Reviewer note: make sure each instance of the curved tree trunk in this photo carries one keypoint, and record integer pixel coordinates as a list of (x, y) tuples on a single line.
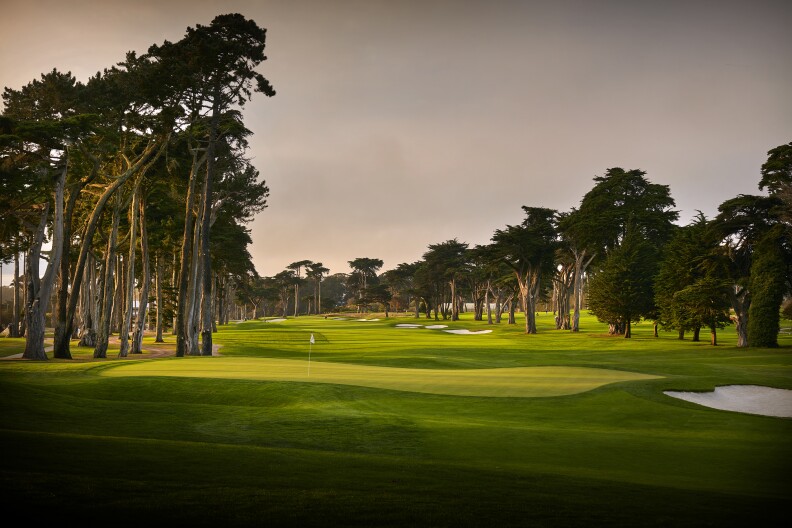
[(180, 325), (108, 293), (158, 278), (129, 285), (40, 290), (14, 332), (580, 268), (146, 159), (741, 302), (140, 323), (206, 258)]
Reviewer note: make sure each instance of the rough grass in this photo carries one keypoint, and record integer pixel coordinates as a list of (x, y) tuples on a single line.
[(250, 452)]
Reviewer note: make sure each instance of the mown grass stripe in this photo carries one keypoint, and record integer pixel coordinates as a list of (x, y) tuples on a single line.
[(521, 382)]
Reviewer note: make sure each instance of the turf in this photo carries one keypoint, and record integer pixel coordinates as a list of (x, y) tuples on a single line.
[(521, 382), (263, 447)]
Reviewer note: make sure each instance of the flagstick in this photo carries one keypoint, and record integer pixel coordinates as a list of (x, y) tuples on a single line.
[(309, 359)]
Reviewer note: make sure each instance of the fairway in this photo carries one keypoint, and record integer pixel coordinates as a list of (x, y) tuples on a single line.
[(519, 382), (398, 427)]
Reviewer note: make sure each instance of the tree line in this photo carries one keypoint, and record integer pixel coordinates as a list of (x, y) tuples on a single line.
[(621, 246), (140, 179)]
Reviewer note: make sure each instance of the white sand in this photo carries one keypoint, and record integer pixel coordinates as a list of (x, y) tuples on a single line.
[(278, 320), (751, 399), (405, 325), (366, 320), (436, 327), (468, 332)]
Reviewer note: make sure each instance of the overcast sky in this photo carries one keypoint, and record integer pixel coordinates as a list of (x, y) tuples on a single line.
[(399, 124)]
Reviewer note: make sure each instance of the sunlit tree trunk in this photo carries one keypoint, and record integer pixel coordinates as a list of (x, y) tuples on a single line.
[(40, 289), (88, 305), (140, 323), (108, 287), (129, 274), (182, 309), (159, 272), (14, 331)]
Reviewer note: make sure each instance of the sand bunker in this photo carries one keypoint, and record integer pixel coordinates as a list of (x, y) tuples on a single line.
[(751, 399), (366, 320), (405, 325), (436, 327), (278, 320), (468, 332)]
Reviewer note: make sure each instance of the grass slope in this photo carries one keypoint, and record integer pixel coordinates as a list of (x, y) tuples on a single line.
[(521, 382), (79, 443)]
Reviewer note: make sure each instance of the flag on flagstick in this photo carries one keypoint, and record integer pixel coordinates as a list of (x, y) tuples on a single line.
[(311, 341)]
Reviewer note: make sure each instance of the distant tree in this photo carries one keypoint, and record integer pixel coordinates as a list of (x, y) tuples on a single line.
[(742, 223), (777, 170), (768, 271), (692, 286), (315, 272), (285, 282), (401, 280), (450, 258), (365, 271), (334, 291), (528, 250), (620, 200), (579, 238), (379, 293), (621, 292), (297, 267)]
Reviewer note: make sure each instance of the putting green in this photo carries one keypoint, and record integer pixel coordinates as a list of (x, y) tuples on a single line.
[(521, 382)]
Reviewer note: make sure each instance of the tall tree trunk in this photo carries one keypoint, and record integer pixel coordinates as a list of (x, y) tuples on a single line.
[(581, 264), (40, 290), (108, 287), (487, 303), (741, 302), (88, 308), (194, 293), (180, 326), (63, 329), (454, 305), (159, 271), (628, 329), (140, 323), (146, 159), (14, 332), (129, 285), (118, 302), (212, 309), (206, 257), (173, 282), (23, 322), (713, 335), (529, 290)]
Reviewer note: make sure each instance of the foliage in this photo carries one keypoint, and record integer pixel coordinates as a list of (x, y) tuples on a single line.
[(621, 292), (767, 287)]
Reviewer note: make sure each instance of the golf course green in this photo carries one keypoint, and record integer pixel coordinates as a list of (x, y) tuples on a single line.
[(397, 426), (522, 382)]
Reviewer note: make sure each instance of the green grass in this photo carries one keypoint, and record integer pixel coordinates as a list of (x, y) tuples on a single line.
[(399, 427)]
